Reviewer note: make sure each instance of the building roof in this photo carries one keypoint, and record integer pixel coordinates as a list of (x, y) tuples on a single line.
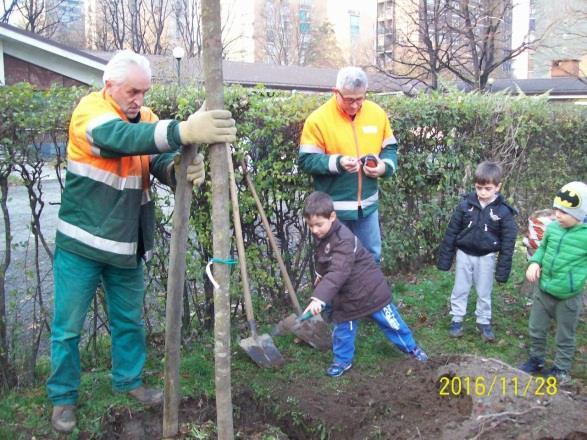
[(557, 87), (303, 78), (87, 67), (50, 55)]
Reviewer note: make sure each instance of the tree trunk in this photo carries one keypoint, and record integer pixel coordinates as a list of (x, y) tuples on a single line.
[(212, 57), (7, 376)]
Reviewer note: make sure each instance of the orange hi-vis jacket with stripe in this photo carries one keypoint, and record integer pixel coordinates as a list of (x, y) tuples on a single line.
[(106, 213), (328, 135)]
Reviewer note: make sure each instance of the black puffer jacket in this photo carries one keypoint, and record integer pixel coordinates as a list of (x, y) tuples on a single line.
[(478, 232), (349, 278)]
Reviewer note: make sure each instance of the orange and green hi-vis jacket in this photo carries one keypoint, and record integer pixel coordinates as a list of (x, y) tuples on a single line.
[(106, 213), (328, 134)]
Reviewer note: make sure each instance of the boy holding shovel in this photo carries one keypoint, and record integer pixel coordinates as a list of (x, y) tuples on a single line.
[(352, 283)]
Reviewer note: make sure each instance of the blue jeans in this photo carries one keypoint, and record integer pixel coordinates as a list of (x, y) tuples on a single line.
[(388, 319), (367, 230), (76, 280)]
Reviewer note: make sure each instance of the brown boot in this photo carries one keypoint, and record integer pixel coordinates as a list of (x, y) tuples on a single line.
[(63, 418), (147, 396)]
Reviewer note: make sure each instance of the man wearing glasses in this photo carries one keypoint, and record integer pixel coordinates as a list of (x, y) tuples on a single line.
[(347, 144)]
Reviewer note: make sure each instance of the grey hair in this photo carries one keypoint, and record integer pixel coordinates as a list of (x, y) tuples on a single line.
[(351, 78), (117, 68)]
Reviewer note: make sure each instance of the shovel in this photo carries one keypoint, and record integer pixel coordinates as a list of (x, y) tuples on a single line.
[(260, 348), (314, 331), (294, 325)]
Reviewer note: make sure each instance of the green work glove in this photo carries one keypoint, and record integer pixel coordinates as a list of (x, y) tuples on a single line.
[(196, 171), (208, 127)]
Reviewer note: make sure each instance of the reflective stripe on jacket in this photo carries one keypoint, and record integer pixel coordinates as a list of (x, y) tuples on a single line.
[(329, 134), (106, 212)]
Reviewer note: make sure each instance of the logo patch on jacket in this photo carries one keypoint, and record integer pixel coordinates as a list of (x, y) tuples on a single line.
[(493, 216), (327, 248), (370, 129)]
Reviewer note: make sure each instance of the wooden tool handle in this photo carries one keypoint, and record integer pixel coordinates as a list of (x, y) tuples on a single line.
[(271, 237), (240, 245)]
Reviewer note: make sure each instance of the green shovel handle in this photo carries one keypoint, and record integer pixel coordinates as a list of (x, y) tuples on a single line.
[(306, 316)]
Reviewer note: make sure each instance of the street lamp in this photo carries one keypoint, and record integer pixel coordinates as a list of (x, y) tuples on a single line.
[(178, 54), (490, 82)]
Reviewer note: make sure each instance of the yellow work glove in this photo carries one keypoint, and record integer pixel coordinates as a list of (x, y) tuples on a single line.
[(208, 127), (196, 171)]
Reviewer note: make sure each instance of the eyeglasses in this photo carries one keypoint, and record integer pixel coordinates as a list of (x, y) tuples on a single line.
[(350, 101)]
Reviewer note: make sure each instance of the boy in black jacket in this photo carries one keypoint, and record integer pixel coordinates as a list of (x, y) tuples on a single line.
[(482, 233), (351, 282)]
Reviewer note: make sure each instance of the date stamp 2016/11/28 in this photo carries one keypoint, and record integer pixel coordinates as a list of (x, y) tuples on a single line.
[(481, 386)]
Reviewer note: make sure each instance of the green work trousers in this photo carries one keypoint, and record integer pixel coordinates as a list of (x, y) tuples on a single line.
[(76, 281), (566, 313)]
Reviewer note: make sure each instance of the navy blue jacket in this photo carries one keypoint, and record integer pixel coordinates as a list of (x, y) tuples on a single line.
[(478, 232)]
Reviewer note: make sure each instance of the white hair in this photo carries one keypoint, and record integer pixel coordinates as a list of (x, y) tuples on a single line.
[(351, 78), (117, 68)]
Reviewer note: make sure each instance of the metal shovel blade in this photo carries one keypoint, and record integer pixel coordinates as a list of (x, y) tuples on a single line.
[(261, 349), (313, 331)]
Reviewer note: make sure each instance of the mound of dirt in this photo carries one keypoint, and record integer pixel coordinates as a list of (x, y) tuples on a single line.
[(449, 397)]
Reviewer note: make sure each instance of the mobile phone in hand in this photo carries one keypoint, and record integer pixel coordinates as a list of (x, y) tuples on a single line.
[(369, 161)]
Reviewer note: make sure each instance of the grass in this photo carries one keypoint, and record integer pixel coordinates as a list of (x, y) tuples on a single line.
[(423, 300)]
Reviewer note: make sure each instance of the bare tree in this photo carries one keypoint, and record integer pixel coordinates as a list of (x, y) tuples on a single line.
[(228, 20), (7, 374), (463, 39), (42, 17), (158, 12), (285, 38), (421, 47), (292, 36), (8, 7), (481, 39), (137, 24), (189, 27), (187, 13), (110, 27)]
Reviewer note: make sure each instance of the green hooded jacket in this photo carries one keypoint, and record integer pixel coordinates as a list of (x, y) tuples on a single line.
[(562, 257)]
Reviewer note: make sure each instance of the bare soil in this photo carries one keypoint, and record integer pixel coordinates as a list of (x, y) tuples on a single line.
[(404, 401)]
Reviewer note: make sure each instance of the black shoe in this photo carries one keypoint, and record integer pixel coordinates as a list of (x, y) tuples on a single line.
[(533, 365)]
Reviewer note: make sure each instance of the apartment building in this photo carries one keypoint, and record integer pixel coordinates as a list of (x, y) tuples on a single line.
[(264, 30), (403, 24), (562, 50)]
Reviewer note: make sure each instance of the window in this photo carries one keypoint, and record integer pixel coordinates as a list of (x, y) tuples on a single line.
[(355, 28), (270, 36), (304, 19), (532, 19)]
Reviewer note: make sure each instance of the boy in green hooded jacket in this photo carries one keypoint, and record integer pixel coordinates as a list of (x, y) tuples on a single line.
[(560, 266)]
